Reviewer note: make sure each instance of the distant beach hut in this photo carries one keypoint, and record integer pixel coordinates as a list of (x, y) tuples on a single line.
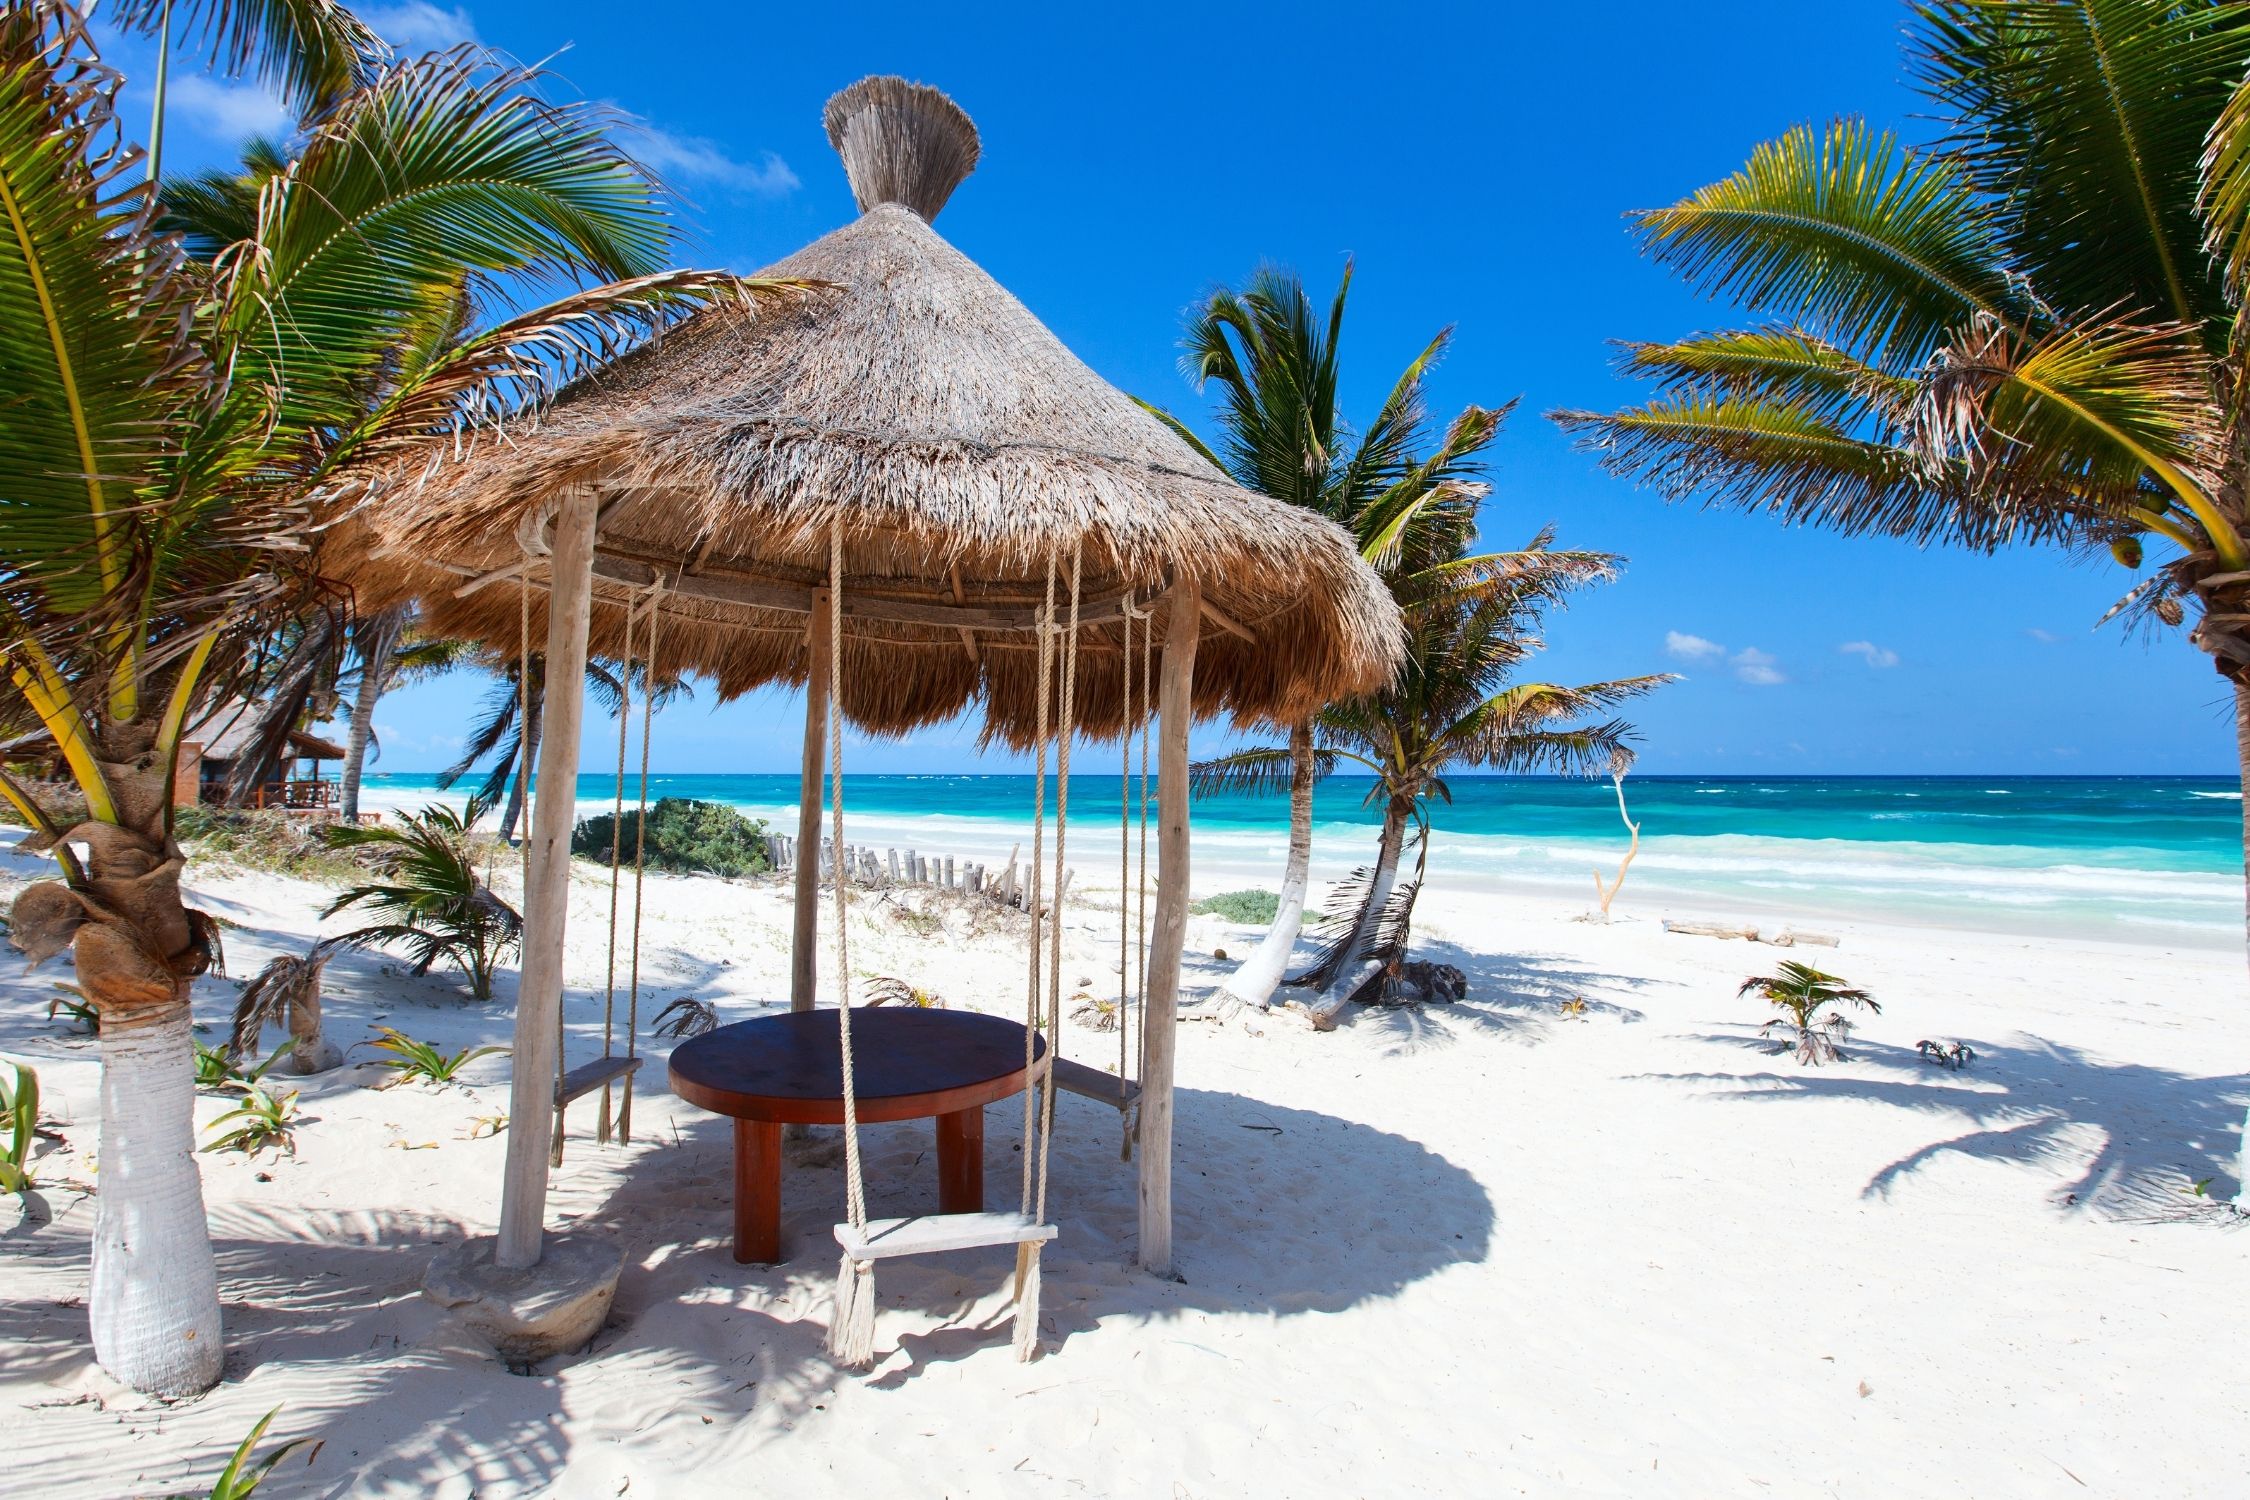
[(919, 413)]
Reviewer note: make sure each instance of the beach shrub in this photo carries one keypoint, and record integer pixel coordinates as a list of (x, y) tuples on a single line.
[(264, 839), (241, 1477), (262, 1119), (1251, 908), (1811, 1024), (685, 836), (431, 901), (411, 1059), (219, 1068)]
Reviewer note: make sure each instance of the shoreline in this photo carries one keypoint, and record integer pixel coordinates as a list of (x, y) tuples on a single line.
[(2015, 890)]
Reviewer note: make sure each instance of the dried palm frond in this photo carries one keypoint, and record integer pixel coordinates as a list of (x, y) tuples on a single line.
[(685, 1017)]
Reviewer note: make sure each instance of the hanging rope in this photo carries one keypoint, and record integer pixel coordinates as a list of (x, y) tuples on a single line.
[(851, 1333), (1035, 878), (1067, 717), (1140, 922), (1124, 878), (616, 862), (640, 853)]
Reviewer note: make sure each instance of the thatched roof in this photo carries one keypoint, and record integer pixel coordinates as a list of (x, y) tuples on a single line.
[(958, 442)]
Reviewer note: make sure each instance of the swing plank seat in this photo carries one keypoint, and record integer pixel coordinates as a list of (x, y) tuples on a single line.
[(1095, 1084), (928, 1234), (588, 1077)]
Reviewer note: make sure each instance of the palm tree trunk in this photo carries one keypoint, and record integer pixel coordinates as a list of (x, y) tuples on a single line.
[(1255, 981), (2242, 760), (378, 644), (1352, 971), (527, 756), (155, 1303), (155, 1295)]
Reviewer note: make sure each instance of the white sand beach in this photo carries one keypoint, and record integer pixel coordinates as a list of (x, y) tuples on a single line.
[(1477, 1249)]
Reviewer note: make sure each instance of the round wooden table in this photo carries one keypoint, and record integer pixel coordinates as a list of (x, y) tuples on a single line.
[(788, 1069)]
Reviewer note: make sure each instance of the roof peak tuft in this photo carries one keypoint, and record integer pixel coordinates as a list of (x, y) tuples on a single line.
[(901, 142)]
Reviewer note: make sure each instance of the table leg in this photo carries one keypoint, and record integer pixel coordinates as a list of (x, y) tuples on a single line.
[(960, 1161), (757, 1192)]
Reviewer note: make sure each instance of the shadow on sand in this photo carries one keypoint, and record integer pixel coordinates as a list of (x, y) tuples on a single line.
[(1274, 1211), (2119, 1131)]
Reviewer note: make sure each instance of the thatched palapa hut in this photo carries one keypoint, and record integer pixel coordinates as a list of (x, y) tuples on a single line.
[(961, 449)]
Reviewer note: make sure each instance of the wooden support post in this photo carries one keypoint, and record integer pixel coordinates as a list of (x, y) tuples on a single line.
[(804, 937), (1175, 706), (537, 1052)]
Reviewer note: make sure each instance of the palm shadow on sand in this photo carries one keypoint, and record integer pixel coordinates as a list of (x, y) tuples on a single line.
[(2122, 1133), (1515, 997), (324, 1313)]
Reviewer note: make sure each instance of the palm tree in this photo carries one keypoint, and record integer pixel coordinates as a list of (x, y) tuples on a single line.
[(1457, 703), (1806, 997), (168, 429), (392, 651), (1276, 366), (431, 901), (498, 734), (2029, 330)]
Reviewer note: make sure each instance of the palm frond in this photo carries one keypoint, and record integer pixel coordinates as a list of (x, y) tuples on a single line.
[(98, 376), (2085, 120), (1255, 772), (2083, 411), (310, 50), (1881, 248), (1758, 453), (443, 163)]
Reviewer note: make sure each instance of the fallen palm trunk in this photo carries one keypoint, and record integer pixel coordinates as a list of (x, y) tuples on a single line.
[(1786, 938)]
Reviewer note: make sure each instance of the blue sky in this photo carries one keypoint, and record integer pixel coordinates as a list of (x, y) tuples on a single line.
[(1476, 161)]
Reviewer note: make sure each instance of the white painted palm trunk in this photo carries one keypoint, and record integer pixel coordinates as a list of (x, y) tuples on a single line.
[(155, 1301), (1260, 974)]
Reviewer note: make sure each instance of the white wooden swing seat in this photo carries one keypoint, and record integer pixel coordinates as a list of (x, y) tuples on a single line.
[(928, 1234)]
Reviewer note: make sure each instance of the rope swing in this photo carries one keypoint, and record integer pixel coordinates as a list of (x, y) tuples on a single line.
[(609, 1068), (851, 1332)]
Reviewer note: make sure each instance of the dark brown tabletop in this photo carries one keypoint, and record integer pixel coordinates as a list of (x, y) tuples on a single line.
[(908, 1063)]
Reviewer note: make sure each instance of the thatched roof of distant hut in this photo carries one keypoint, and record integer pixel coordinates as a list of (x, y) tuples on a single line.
[(958, 441)]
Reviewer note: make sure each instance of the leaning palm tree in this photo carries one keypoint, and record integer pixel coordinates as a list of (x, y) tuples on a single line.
[(168, 428), (1276, 368), (2029, 330), (1458, 703)]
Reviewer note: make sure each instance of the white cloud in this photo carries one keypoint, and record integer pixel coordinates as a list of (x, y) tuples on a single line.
[(418, 26), (2043, 637), (1691, 647), (690, 158), (230, 111), (1757, 668), (1877, 656)]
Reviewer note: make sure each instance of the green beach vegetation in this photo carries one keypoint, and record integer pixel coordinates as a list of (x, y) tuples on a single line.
[(684, 835)]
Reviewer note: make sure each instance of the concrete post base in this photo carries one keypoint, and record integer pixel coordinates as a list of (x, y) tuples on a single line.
[(529, 1315)]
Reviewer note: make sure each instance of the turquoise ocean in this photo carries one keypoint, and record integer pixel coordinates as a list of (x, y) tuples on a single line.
[(2141, 859)]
